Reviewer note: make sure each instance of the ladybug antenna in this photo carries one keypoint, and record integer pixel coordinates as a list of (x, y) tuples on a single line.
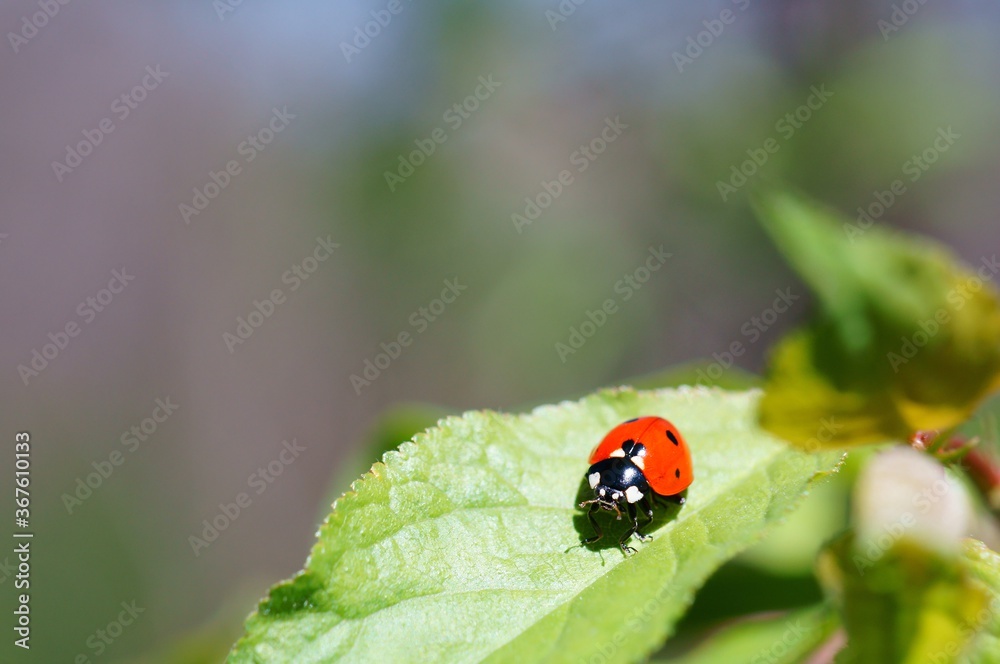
[(606, 504)]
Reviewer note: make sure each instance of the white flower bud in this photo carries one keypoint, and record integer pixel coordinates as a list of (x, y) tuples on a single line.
[(903, 494)]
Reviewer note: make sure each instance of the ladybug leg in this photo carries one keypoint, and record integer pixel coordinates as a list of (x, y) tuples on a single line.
[(677, 499), (647, 509), (598, 533), (635, 526)]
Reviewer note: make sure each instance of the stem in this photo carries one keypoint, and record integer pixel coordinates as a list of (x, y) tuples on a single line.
[(985, 474), (937, 444), (981, 468), (953, 453)]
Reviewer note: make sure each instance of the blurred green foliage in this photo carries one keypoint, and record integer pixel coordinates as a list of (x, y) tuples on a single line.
[(783, 638), (906, 338), (912, 605)]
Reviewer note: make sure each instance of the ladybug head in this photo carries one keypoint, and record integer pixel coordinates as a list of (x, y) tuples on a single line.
[(616, 481)]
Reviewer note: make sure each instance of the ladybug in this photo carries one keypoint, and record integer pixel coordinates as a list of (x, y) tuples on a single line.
[(638, 460)]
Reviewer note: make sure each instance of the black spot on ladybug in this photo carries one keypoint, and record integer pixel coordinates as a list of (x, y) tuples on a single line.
[(677, 473), (672, 437), (632, 448)]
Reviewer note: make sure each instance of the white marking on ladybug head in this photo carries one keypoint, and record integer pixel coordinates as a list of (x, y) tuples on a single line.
[(594, 479), (633, 495), (602, 492), (639, 461), (617, 453), (616, 496)]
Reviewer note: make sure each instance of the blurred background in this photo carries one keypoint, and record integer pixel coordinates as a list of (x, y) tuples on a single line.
[(491, 176)]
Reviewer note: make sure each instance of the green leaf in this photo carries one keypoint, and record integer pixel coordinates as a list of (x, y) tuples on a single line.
[(783, 639), (703, 373), (906, 337), (913, 605), (983, 565), (463, 545), (790, 549), (396, 425)]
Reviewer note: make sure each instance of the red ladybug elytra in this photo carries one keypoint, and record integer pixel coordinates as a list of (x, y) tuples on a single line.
[(638, 460)]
